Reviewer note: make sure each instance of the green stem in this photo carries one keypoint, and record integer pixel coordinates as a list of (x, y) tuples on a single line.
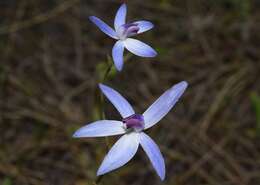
[(107, 72), (102, 112)]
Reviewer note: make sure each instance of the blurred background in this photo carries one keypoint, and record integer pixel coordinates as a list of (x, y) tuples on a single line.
[(52, 57)]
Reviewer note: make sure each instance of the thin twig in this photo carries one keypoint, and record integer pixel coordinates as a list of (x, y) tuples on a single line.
[(14, 27)]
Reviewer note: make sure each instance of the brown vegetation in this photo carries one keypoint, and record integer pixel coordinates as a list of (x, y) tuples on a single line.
[(49, 53)]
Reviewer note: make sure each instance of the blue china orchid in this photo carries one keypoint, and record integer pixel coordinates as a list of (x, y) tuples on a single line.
[(132, 126), (122, 32)]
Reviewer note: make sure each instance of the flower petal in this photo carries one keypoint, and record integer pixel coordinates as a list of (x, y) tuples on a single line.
[(103, 27), (122, 151), (101, 128), (139, 48), (163, 104), (120, 16), (117, 54), (154, 154), (144, 26), (120, 103)]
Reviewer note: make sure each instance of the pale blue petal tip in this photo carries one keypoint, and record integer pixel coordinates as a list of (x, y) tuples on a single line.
[(76, 135), (183, 84), (99, 173), (102, 171), (123, 5), (154, 53), (119, 68), (91, 18), (162, 177), (101, 86)]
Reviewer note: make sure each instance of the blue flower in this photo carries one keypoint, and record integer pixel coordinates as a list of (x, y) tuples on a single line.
[(122, 32), (132, 126)]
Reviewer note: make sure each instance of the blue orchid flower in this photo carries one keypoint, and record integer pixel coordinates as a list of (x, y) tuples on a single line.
[(122, 32), (132, 126)]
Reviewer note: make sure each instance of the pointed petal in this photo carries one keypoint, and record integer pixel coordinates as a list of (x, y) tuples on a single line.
[(120, 103), (101, 128), (139, 48), (154, 154), (144, 26), (103, 27), (163, 104), (122, 151), (117, 54), (120, 16)]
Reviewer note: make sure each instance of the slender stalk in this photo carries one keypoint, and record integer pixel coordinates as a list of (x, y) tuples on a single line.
[(101, 111)]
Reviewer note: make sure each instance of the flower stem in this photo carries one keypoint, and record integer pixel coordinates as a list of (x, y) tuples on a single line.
[(101, 111)]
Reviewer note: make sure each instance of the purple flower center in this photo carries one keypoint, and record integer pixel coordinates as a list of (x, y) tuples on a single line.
[(135, 121), (127, 30)]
